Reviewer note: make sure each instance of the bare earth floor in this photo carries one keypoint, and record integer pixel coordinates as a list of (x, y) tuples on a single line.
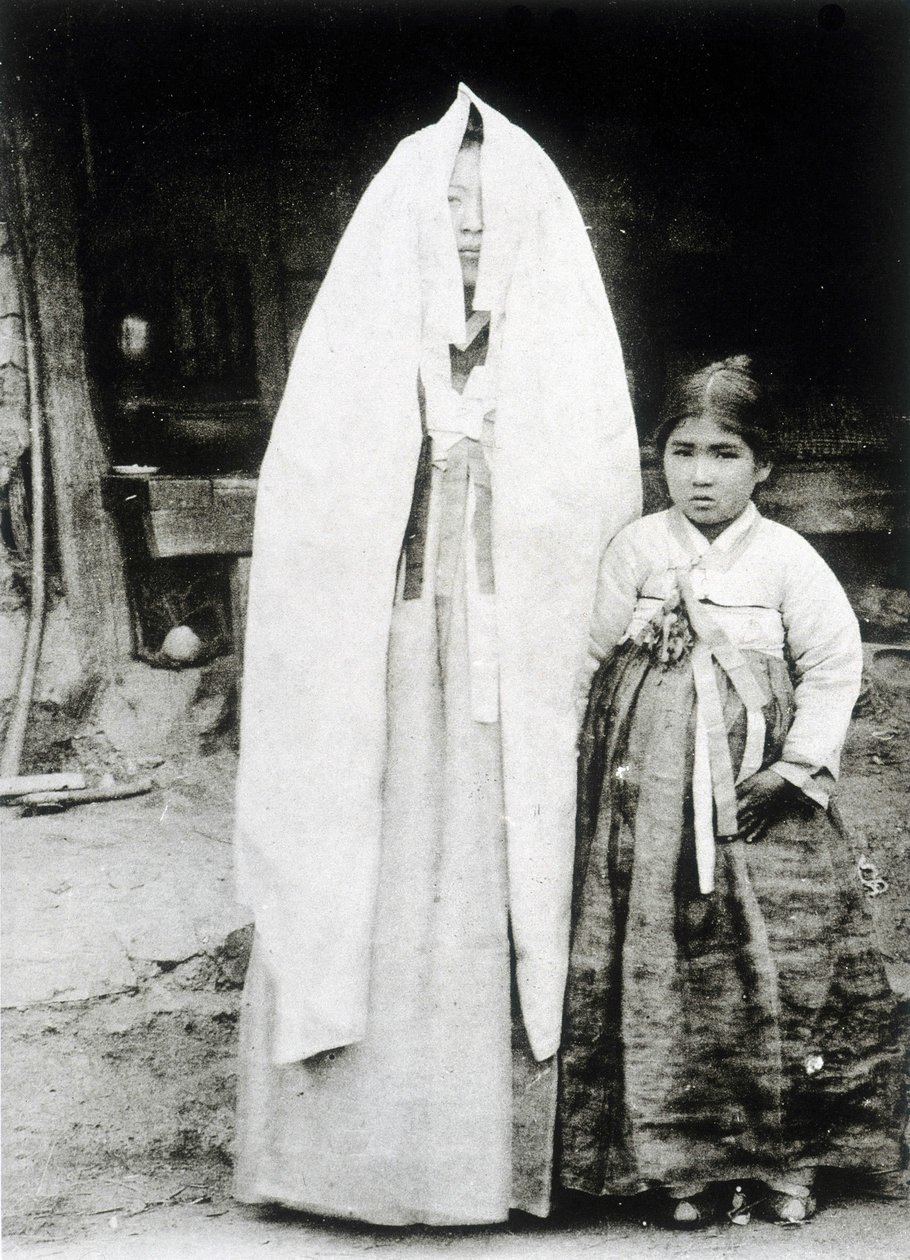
[(216, 1229), (123, 957)]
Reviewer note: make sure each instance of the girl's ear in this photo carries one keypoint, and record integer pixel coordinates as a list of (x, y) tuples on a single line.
[(762, 472)]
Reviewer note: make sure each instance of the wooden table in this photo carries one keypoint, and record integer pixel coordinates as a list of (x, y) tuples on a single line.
[(189, 516)]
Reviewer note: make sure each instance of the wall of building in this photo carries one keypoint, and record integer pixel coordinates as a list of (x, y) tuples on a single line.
[(59, 665), (732, 168)]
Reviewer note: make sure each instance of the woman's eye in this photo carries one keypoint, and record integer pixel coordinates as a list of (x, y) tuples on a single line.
[(453, 200)]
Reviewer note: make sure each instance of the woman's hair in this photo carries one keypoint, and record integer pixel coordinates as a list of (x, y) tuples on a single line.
[(474, 130), (727, 393)]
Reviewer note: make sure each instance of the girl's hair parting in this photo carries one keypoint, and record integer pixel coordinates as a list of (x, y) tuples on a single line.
[(727, 393)]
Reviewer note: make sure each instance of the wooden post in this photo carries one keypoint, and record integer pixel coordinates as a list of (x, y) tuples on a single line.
[(43, 148), (240, 588)]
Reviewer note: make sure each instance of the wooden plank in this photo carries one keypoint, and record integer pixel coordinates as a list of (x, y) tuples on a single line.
[(235, 487), (214, 516), (835, 498), (173, 494), (225, 529), (186, 516), (119, 492), (21, 784), (202, 516), (270, 332), (240, 587), (87, 796), (817, 498)]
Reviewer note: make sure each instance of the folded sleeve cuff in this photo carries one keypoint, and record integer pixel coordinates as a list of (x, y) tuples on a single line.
[(817, 785)]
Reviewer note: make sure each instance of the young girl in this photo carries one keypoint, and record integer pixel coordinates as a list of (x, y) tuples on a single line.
[(727, 1015)]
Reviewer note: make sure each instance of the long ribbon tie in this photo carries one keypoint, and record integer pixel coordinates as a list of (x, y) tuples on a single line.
[(713, 781), (456, 426)]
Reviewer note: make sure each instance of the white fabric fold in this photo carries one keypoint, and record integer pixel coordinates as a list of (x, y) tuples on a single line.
[(483, 648), (450, 416), (334, 497)]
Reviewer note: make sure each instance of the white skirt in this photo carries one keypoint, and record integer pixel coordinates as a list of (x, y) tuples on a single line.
[(440, 1115)]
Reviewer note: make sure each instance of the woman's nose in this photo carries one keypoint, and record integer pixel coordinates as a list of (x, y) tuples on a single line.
[(472, 215), (701, 473)]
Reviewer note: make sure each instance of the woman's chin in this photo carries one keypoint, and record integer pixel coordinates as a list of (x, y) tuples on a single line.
[(469, 268)]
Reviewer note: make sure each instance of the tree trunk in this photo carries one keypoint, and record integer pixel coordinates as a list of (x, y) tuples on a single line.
[(43, 156)]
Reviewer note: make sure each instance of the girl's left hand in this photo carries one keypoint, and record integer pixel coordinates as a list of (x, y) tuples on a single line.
[(757, 800)]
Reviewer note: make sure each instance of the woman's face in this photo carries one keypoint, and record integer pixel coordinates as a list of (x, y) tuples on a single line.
[(466, 208), (711, 473)]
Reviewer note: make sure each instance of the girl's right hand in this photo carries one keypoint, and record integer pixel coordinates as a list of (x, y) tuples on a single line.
[(758, 799)]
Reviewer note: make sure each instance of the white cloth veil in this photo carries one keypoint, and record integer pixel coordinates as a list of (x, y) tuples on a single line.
[(334, 496)]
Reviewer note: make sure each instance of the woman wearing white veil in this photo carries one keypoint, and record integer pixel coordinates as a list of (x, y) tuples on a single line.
[(454, 448)]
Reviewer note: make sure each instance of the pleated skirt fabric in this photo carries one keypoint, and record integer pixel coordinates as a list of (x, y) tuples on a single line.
[(731, 1035)]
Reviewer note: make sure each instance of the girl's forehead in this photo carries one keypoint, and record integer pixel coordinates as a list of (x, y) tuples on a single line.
[(706, 430)]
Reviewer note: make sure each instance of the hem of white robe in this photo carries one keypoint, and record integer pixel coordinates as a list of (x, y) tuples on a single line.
[(402, 1217)]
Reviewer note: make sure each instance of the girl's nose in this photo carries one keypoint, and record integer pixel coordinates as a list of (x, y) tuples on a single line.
[(701, 473)]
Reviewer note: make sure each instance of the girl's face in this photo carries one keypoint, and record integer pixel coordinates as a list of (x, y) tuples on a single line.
[(711, 473), (466, 208)]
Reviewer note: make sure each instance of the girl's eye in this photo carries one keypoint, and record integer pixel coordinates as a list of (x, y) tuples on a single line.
[(453, 200)]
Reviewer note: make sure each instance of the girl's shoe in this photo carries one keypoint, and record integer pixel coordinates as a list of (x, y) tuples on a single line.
[(686, 1214), (740, 1209), (690, 1211), (789, 1205)]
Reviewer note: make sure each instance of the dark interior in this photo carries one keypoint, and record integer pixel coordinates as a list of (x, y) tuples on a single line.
[(742, 168)]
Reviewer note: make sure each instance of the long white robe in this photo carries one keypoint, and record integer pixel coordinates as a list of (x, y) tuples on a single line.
[(334, 496)]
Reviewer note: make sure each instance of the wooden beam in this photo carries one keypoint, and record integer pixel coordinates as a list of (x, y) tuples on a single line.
[(23, 784), (817, 497), (87, 796)]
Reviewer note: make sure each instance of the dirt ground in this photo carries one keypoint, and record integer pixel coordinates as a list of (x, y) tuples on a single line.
[(213, 1228), (123, 961)]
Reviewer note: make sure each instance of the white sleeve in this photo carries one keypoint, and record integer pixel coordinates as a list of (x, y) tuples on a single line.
[(823, 639), (618, 584)]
